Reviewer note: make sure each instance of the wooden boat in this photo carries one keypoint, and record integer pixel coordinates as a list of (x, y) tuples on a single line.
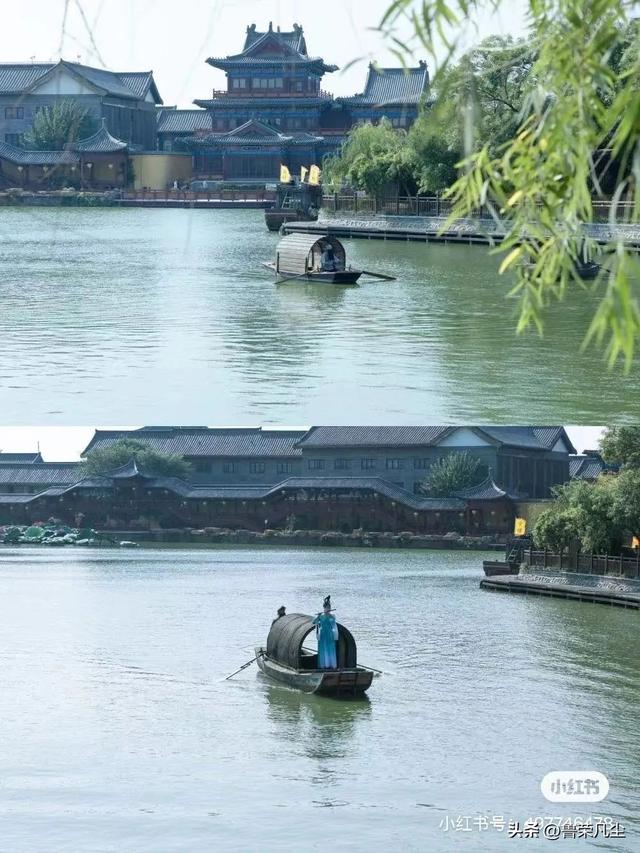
[(493, 568), (286, 660), (298, 256)]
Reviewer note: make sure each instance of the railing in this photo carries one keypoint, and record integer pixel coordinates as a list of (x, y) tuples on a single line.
[(390, 205), (269, 93), (249, 194), (587, 564), (438, 206)]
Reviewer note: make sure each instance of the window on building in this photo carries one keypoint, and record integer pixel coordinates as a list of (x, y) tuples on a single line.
[(14, 112), (202, 466), (422, 464), (315, 464), (299, 86), (220, 124), (14, 138), (257, 467), (285, 467), (394, 464), (279, 83), (342, 464), (367, 464), (230, 467), (239, 83)]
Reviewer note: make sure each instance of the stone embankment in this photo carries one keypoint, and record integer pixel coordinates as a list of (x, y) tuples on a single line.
[(428, 229), (310, 538)]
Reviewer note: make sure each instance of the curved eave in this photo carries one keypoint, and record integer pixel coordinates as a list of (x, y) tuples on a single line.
[(254, 103), (244, 62)]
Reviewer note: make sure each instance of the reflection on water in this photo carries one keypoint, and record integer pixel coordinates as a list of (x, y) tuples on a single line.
[(152, 312), (325, 727), (116, 722)]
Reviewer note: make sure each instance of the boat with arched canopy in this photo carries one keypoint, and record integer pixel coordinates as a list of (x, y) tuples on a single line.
[(285, 659), (300, 256)]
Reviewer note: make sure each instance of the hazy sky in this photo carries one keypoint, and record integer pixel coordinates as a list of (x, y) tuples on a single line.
[(174, 38), (58, 444)]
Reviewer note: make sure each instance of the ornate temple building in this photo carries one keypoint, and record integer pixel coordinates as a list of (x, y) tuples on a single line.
[(274, 110)]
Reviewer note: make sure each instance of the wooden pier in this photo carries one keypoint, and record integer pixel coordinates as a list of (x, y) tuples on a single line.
[(572, 590)]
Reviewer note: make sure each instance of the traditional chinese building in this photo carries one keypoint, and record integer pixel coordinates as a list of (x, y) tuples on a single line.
[(274, 110), (127, 101), (98, 162), (328, 478)]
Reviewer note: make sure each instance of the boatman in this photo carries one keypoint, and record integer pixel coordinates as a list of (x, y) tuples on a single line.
[(282, 611), (328, 259), (327, 634)]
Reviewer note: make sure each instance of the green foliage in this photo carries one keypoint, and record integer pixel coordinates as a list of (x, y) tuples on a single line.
[(621, 446), (452, 473), (56, 126), (588, 512), (373, 157), (103, 460), (582, 96)]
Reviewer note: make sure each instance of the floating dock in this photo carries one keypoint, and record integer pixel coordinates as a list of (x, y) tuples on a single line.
[(612, 591)]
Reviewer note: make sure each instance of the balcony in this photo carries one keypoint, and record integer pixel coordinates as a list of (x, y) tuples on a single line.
[(268, 93)]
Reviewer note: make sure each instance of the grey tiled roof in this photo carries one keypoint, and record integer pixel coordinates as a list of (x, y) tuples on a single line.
[(392, 86), (16, 78), (183, 121), (140, 82), (372, 436), (202, 441), (373, 484), (39, 473), (100, 142), (254, 131), (36, 158), (588, 466), (293, 39), (291, 43), (10, 458), (535, 438), (484, 491)]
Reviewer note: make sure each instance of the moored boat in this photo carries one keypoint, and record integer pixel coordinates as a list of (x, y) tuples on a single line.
[(285, 659)]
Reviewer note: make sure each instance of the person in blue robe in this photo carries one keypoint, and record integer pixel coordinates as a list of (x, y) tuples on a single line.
[(327, 634)]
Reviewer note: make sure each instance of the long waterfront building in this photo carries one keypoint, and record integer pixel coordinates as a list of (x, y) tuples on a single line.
[(326, 477)]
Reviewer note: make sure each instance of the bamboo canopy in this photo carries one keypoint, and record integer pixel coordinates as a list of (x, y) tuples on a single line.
[(298, 254), (287, 636)]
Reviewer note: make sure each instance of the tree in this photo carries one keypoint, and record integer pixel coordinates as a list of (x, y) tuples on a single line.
[(621, 446), (542, 179), (57, 126), (481, 98), (584, 511), (372, 158), (154, 462), (453, 473)]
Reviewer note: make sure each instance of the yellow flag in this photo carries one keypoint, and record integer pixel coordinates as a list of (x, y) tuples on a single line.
[(314, 175), (303, 174), (520, 527), (285, 175)]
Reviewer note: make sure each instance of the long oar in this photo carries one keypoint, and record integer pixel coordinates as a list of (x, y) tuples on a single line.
[(244, 666), (379, 275)]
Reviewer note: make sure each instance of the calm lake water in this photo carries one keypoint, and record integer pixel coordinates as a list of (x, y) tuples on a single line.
[(133, 316), (118, 732)]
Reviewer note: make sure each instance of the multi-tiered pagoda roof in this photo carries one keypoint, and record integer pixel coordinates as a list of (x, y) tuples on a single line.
[(273, 47)]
